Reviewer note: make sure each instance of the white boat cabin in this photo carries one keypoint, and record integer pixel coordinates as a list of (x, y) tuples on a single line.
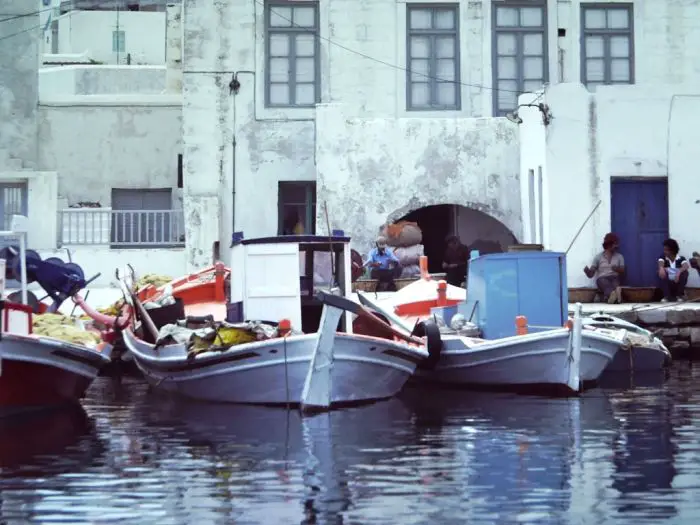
[(275, 278)]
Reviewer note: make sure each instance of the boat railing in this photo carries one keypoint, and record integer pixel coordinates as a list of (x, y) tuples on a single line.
[(121, 228)]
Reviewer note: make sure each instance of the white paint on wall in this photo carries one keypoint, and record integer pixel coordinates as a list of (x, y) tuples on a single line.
[(92, 31), (97, 143), (374, 170), (620, 131), (100, 80)]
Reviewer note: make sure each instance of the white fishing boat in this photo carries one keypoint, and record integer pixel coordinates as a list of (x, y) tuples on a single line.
[(643, 351), (307, 356), (520, 336)]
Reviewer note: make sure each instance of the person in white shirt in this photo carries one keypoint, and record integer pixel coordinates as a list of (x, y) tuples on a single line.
[(673, 272)]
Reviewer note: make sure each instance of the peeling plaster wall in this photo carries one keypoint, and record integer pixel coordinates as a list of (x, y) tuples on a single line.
[(19, 64), (373, 170), (273, 145), (96, 148), (620, 131)]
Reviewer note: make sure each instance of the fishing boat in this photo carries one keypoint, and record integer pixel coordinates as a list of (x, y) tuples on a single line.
[(294, 340), (513, 330), (39, 371), (644, 352)]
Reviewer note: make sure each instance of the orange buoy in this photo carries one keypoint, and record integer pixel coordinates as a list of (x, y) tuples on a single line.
[(423, 263), (569, 324), (520, 324), (284, 327), (442, 293)]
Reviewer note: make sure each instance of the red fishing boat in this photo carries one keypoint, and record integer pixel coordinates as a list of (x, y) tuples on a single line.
[(38, 371)]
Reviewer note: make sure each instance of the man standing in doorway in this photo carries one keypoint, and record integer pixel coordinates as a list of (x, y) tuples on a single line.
[(455, 261), (673, 272)]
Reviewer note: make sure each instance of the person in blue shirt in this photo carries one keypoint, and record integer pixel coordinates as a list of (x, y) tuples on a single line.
[(383, 265)]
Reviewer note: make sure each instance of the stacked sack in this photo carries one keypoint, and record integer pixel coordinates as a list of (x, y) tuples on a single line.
[(405, 238)]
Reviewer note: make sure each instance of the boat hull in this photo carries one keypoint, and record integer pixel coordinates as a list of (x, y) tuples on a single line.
[(274, 371), (534, 359), (37, 372), (639, 359)]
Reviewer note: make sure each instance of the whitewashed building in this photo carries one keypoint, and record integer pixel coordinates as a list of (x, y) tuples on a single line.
[(628, 144), (375, 109), (104, 31), (91, 154)]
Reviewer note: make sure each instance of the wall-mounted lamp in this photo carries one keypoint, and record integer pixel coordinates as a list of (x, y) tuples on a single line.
[(544, 109)]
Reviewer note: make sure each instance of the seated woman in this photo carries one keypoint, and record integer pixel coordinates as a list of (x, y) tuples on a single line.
[(608, 267), (673, 272)]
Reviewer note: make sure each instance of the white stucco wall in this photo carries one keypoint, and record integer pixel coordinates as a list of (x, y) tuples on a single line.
[(99, 80), (101, 142), (372, 170), (91, 31), (621, 131), (297, 144), (666, 47)]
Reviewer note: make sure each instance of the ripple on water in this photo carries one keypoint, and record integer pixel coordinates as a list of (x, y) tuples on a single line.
[(614, 456)]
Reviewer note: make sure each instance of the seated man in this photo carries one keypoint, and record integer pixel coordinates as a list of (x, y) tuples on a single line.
[(608, 265), (673, 272), (384, 265)]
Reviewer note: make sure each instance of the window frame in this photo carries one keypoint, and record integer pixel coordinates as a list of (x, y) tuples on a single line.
[(432, 60), (119, 40), (607, 33), (291, 56), (518, 31), (310, 203)]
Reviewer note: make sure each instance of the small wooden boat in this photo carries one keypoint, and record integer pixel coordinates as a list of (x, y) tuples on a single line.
[(521, 335), (308, 355)]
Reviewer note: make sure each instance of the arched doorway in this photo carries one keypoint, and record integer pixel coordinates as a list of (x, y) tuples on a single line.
[(476, 229)]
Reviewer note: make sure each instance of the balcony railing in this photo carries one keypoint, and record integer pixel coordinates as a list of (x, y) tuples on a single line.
[(121, 229)]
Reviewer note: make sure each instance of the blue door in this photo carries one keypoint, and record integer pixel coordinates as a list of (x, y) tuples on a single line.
[(640, 217)]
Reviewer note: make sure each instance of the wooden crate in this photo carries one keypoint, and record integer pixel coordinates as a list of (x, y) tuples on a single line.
[(369, 285), (582, 295)]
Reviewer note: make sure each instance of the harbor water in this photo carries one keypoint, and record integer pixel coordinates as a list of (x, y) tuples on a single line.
[(625, 453)]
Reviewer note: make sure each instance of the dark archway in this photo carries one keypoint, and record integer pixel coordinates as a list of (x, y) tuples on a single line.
[(476, 229)]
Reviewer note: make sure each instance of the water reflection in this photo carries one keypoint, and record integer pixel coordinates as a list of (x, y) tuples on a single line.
[(30, 443), (644, 450), (429, 456), (521, 455), (38, 446)]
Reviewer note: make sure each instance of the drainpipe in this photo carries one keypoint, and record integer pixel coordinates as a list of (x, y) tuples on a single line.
[(235, 86)]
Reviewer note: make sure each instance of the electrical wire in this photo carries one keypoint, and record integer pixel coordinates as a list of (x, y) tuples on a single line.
[(389, 64), (325, 39), (15, 17), (40, 26)]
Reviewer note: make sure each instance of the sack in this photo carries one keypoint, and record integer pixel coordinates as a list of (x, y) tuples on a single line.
[(409, 255), (410, 271), (402, 233)]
